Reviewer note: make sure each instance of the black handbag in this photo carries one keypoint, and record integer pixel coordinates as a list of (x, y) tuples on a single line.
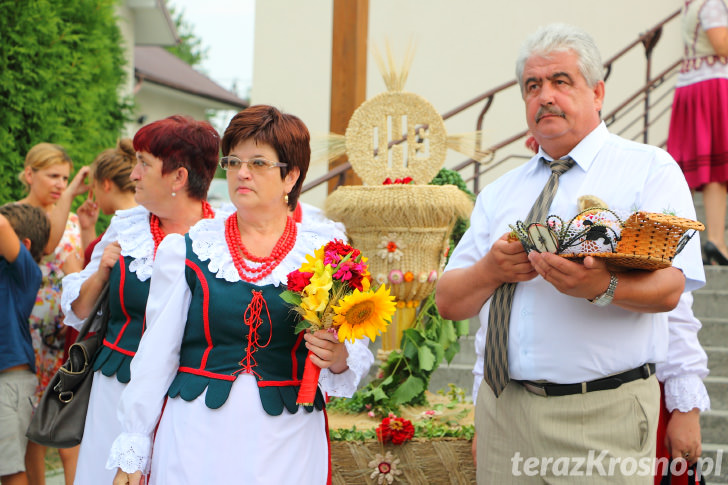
[(59, 419)]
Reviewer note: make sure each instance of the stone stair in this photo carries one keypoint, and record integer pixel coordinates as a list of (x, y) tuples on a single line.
[(711, 307)]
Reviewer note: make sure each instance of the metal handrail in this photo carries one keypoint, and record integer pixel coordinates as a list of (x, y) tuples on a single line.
[(648, 40)]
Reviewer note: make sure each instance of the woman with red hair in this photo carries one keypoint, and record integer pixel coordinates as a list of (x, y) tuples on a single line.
[(176, 161)]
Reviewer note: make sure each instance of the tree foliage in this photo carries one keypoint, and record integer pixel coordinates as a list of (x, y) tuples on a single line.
[(61, 70), (190, 47)]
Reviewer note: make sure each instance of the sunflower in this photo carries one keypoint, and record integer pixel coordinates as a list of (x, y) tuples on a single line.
[(364, 313)]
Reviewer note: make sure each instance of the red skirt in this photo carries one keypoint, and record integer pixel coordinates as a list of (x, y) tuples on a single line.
[(698, 137)]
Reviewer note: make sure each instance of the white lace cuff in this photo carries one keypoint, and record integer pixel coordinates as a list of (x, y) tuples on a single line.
[(359, 361), (685, 393), (130, 452)]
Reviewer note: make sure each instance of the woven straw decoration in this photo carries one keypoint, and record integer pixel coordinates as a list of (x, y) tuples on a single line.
[(418, 218), (403, 229), (382, 121), (435, 461)]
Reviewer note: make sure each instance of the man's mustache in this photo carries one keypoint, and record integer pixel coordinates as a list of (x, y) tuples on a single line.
[(548, 110)]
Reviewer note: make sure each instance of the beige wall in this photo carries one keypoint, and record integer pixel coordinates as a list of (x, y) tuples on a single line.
[(126, 26), (463, 48)]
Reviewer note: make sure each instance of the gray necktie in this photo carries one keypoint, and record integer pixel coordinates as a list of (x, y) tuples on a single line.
[(496, 347)]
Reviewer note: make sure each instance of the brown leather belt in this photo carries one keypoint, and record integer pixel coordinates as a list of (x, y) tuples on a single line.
[(611, 382)]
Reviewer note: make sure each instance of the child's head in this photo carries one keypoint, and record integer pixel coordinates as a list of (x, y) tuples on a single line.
[(29, 223)]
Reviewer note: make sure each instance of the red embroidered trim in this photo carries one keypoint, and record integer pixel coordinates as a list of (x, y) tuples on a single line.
[(205, 310), (206, 373), (328, 445), (278, 383), (267, 264), (119, 349), (122, 268)]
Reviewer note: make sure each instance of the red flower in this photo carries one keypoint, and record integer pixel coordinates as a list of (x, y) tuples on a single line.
[(336, 250), (406, 180), (298, 280), (396, 430)]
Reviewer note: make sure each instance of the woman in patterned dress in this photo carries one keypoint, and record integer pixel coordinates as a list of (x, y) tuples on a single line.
[(176, 159), (46, 176)]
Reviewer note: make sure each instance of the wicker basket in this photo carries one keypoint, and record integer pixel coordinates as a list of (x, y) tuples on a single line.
[(648, 240), (432, 461)]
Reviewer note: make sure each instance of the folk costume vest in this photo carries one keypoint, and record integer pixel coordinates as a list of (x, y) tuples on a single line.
[(127, 303), (238, 327)]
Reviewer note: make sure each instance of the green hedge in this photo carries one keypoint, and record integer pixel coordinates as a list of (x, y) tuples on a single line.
[(61, 69)]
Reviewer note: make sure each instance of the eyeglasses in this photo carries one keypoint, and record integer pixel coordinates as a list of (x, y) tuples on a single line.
[(258, 164)]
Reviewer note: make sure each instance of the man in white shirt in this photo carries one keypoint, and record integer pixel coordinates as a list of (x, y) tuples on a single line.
[(572, 324)]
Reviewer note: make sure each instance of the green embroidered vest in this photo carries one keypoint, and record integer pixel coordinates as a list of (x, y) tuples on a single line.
[(127, 304), (235, 328)]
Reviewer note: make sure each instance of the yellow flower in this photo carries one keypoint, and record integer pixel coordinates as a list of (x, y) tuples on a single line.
[(312, 318), (364, 313), (316, 294), (310, 264)]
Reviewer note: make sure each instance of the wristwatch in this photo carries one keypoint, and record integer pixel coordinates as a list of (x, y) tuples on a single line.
[(606, 298)]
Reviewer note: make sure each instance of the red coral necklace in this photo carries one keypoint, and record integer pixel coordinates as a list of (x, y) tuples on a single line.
[(266, 264), (157, 232)]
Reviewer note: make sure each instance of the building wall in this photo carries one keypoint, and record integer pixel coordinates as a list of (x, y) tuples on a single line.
[(126, 25), (463, 48), (154, 102)]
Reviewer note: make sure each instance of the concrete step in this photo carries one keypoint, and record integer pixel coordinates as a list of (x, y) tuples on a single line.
[(460, 375), (717, 361), (717, 388), (716, 277), (714, 426), (714, 331), (715, 463), (710, 303)]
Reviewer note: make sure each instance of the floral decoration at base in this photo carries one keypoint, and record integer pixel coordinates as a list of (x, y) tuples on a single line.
[(420, 461), (423, 445)]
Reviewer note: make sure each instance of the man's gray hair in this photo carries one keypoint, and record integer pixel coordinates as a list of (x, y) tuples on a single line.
[(561, 38)]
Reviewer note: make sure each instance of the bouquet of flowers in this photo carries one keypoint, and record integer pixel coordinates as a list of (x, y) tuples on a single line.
[(333, 290)]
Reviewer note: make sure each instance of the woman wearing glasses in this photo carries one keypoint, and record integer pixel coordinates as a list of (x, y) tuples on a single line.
[(176, 159), (221, 347)]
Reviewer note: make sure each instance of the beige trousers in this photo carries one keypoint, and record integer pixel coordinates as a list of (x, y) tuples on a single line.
[(599, 437)]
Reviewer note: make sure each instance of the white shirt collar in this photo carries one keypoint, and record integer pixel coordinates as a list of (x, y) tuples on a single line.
[(586, 150)]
